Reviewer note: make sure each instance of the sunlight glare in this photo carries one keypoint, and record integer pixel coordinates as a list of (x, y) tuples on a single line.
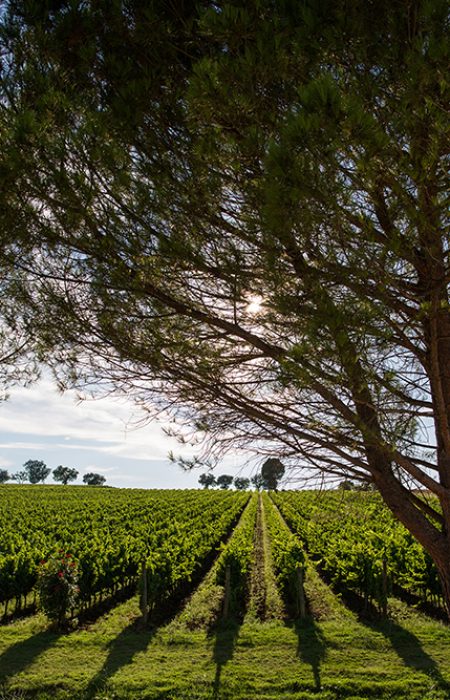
[(255, 304)]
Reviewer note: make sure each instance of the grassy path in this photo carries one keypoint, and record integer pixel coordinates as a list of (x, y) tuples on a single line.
[(405, 657)]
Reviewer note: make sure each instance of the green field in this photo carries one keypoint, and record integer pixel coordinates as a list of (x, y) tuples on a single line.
[(262, 650)]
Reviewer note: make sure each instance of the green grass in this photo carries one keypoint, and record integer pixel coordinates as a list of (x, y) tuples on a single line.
[(337, 657)]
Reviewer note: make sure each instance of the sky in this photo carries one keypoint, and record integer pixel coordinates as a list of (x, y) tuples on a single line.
[(38, 422)]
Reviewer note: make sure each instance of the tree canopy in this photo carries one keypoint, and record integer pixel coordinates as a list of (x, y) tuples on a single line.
[(224, 481), (272, 471), (207, 480), (93, 479), (36, 471), (20, 476), (241, 483), (64, 474), (257, 481), (244, 222)]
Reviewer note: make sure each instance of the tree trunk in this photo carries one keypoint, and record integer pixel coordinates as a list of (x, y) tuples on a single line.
[(435, 541), (443, 567), (432, 274), (439, 360), (433, 285)]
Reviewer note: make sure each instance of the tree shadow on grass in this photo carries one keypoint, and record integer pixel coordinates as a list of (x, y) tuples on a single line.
[(311, 647), (409, 648), (15, 615), (224, 635), (90, 614), (406, 645), (21, 655), (121, 652), (133, 639)]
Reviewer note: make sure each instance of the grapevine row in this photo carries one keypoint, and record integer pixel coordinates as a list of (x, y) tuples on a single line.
[(287, 554), (110, 533), (359, 545), (237, 559)]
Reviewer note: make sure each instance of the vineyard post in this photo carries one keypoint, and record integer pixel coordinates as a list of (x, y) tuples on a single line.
[(144, 594), (226, 602), (385, 586), (301, 592), (366, 584)]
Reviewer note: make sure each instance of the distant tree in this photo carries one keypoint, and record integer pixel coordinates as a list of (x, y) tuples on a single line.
[(272, 471), (4, 476), (92, 479), (346, 485), (224, 481), (365, 486), (207, 480), (64, 474), (36, 470), (257, 481), (241, 483), (20, 477)]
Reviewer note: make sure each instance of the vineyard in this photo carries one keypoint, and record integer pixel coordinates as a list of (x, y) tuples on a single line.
[(360, 547), (217, 594), (111, 537)]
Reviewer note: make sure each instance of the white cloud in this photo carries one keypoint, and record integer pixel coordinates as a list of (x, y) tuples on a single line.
[(22, 445), (99, 470), (103, 425), (97, 436), (130, 479)]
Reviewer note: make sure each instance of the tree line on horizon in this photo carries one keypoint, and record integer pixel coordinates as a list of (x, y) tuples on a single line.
[(267, 478), (35, 471)]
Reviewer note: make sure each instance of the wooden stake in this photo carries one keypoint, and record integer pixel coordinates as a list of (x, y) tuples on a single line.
[(301, 592), (226, 602), (143, 603), (385, 587)]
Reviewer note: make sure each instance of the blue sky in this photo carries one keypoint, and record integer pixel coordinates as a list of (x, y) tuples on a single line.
[(38, 422)]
